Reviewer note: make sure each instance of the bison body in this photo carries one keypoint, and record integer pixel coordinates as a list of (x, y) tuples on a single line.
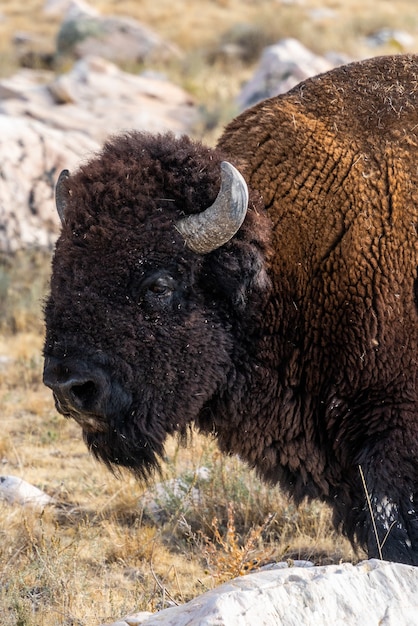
[(293, 338)]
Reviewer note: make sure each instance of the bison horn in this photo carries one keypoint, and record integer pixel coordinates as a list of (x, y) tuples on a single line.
[(61, 194), (206, 231)]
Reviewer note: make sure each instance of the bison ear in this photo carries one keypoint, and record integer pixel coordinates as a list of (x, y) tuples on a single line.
[(211, 229), (61, 194)]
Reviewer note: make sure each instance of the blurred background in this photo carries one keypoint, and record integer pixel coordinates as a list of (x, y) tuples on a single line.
[(72, 73)]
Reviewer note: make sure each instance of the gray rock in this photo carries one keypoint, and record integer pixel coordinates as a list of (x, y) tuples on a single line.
[(15, 490), (184, 491), (399, 38), (97, 98), (118, 39), (281, 67), (32, 155), (48, 123), (373, 592), (84, 32), (69, 9)]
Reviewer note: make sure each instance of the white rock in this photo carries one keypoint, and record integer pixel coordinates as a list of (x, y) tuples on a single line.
[(186, 493), (32, 155), (97, 98), (371, 593), (69, 9), (399, 38), (5, 360), (48, 124), (117, 38), (282, 66), (322, 13), (17, 491)]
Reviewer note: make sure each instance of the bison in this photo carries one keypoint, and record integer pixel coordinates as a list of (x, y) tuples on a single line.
[(264, 291)]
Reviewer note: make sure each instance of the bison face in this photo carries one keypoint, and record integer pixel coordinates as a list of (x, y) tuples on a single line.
[(138, 333), (130, 372)]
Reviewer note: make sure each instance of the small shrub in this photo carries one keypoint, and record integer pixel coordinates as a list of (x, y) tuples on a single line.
[(228, 555)]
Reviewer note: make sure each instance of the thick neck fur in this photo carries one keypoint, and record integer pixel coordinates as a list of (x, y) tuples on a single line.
[(262, 410)]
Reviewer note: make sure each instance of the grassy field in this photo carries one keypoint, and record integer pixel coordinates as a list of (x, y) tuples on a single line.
[(98, 554)]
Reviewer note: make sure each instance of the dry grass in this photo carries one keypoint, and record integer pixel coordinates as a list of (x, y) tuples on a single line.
[(98, 554)]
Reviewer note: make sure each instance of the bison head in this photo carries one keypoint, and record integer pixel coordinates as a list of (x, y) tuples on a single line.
[(141, 321)]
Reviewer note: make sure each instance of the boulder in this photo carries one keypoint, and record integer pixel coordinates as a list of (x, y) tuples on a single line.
[(69, 9), (281, 67), (184, 491), (97, 98), (15, 490), (32, 155), (84, 32), (48, 123), (370, 593), (399, 39)]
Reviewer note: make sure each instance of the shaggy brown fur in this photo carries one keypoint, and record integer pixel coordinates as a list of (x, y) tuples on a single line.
[(295, 342)]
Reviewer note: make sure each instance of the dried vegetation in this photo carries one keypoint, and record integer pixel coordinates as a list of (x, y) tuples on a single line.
[(99, 554)]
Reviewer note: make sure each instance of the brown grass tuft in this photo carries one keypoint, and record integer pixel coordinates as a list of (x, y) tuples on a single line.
[(228, 555)]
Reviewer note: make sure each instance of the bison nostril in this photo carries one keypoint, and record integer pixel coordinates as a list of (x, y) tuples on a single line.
[(83, 394), (76, 385)]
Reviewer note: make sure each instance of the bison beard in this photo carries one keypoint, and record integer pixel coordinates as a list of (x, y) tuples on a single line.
[(282, 317), (130, 449), (84, 391)]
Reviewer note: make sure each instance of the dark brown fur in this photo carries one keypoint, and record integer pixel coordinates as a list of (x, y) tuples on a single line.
[(296, 342)]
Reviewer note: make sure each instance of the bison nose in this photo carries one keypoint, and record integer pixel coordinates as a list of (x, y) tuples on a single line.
[(76, 387)]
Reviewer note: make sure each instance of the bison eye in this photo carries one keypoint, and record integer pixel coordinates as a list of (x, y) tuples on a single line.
[(155, 288), (162, 286)]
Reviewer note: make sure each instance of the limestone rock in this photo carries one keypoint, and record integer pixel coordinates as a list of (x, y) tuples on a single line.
[(49, 123), (69, 9), (15, 490), (32, 155), (185, 491), (281, 67), (373, 592), (97, 98), (399, 39), (121, 39)]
